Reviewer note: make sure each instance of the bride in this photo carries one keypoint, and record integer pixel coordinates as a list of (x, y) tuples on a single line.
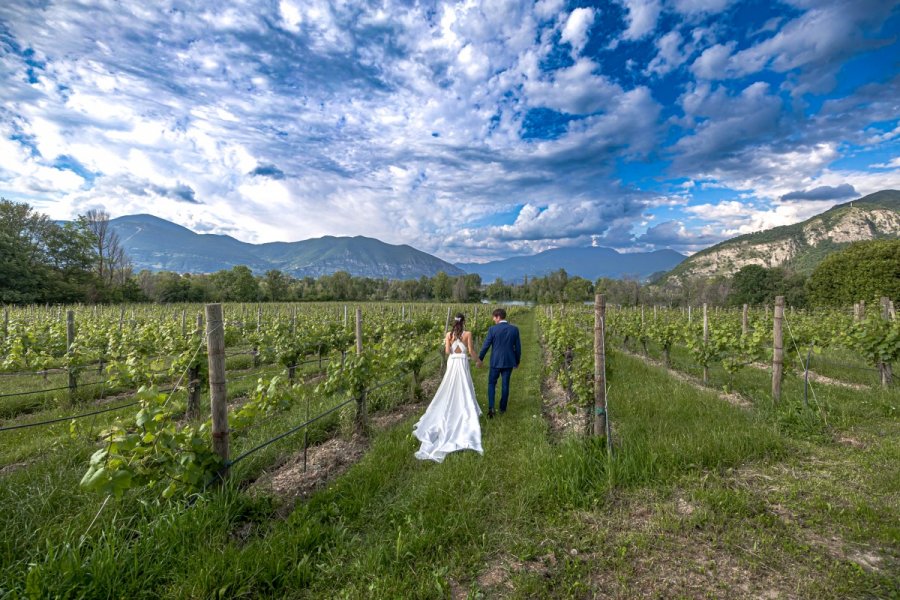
[(451, 421)]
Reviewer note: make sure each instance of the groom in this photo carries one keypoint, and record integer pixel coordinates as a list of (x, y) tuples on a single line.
[(506, 353)]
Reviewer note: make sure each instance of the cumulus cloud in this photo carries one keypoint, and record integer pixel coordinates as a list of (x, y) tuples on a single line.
[(731, 218), (725, 124), (677, 236), (641, 19), (579, 89), (713, 62), (669, 54), (576, 29), (823, 192)]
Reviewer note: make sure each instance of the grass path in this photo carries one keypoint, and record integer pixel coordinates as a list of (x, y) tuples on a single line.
[(394, 526)]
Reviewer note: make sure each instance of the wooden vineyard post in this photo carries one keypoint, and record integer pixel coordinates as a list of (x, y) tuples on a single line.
[(183, 322), (361, 401), (599, 365), (705, 343), (643, 333), (345, 316), (5, 322), (778, 349), (258, 317), (745, 320), (689, 314), (70, 341), (193, 403), (885, 367), (215, 344), (121, 318)]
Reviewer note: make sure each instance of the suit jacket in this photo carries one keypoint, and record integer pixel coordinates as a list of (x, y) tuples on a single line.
[(506, 347)]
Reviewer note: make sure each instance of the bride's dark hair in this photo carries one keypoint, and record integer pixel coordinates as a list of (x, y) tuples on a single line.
[(459, 325)]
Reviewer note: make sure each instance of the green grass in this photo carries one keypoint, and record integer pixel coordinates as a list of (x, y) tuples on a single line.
[(700, 499)]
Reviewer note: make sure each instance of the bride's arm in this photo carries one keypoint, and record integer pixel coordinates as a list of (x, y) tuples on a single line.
[(469, 344), (447, 343)]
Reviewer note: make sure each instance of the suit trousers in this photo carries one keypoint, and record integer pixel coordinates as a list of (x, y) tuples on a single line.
[(503, 375)]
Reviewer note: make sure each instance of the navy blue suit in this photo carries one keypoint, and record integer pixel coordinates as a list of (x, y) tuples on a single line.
[(506, 352)]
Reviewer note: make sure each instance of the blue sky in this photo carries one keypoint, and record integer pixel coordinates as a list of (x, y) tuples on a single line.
[(471, 130)]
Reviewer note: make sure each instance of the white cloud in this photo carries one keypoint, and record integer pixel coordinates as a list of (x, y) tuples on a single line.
[(700, 6), (815, 43), (713, 62), (578, 89), (676, 235), (290, 15), (576, 29), (669, 54), (642, 17), (894, 163)]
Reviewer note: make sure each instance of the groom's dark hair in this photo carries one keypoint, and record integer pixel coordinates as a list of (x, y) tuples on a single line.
[(499, 312)]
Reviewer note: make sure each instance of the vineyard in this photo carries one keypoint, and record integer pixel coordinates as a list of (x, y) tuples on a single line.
[(839, 347), (119, 479)]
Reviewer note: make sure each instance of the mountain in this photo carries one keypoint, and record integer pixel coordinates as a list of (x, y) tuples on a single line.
[(802, 246), (159, 245), (590, 263)]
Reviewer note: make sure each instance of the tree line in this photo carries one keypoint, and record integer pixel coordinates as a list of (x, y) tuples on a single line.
[(42, 261)]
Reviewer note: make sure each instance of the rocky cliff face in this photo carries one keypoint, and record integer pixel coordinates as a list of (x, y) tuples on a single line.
[(802, 246)]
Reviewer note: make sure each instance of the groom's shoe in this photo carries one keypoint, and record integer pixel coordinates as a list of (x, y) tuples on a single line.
[(490, 414)]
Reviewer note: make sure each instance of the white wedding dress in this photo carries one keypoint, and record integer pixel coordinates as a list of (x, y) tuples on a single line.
[(450, 422)]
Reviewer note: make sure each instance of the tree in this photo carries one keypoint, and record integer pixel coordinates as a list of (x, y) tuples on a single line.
[(441, 286), (752, 284), (70, 254), (113, 265), (460, 290), (277, 286), (23, 259), (243, 286), (41, 261), (499, 291), (578, 290), (171, 287), (861, 271)]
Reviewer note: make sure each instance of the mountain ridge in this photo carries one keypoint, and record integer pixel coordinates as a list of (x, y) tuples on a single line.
[(588, 262), (800, 246), (156, 244)]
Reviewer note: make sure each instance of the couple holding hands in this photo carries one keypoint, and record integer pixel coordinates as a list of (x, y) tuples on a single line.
[(450, 422)]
